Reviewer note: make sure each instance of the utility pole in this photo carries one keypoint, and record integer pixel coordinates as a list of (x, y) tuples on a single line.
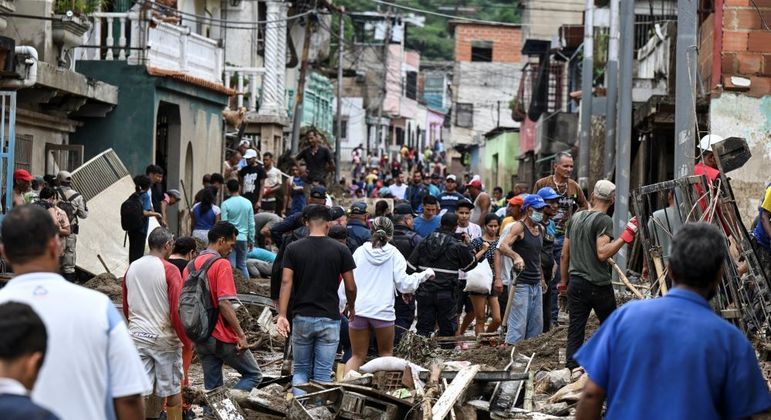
[(300, 94), (586, 96), (386, 47), (624, 138), (340, 46), (685, 85), (612, 76)]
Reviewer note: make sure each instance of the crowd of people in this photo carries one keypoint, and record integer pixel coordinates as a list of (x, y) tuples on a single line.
[(349, 281)]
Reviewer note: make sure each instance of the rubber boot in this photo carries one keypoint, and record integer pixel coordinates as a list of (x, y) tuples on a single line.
[(174, 413)]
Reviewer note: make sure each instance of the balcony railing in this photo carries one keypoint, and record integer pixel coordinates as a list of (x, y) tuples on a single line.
[(153, 43), (245, 80)]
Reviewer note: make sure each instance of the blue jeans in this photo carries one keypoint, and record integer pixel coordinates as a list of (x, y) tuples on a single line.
[(526, 316), (237, 257), (214, 353), (558, 242), (314, 346)]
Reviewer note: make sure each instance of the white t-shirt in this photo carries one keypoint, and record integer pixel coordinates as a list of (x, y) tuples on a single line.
[(473, 231), (149, 283), (272, 180), (506, 263), (90, 357), (398, 190)]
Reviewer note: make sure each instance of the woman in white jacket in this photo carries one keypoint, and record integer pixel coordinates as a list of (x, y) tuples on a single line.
[(380, 272)]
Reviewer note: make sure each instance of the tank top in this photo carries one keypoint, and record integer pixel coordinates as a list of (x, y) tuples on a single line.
[(529, 248), (477, 211)]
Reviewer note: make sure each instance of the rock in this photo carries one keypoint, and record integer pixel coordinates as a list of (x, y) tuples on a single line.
[(570, 392), (554, 409), (548, 382)]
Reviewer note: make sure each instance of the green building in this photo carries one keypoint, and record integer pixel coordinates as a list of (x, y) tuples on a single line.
[(500, 158)]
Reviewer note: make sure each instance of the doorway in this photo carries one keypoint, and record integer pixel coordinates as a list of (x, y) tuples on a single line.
[(167, 153)]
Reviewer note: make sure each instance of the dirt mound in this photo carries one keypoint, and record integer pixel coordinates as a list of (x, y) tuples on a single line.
[(255, 286), (107, 284)]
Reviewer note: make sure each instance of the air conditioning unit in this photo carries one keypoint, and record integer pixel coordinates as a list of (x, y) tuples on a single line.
[(8, 58)]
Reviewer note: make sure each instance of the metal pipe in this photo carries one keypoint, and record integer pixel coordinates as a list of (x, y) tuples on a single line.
[(340, 45), (624, 138), (685, 85), (31, 78), (612, 92), (586, 96)]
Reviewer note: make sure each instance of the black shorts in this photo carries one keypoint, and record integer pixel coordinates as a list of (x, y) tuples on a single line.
[(464, 302)]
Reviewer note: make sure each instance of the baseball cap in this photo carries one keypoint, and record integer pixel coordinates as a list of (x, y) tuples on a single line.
[(435, 176), (533, 200), (174, 193), (465, 203), (63, 176), (336, 212), (22, 175), (250, 153), (319, 192), (604, 189), (358, 208), (403, 208), (451, 177), (517, 200), (475, 183), (707, 141), (338, 232), (449, 219), (246, 143), (548, 193)]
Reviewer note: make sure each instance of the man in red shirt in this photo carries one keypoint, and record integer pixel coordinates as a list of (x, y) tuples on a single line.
[(227, 343), (706, 163)]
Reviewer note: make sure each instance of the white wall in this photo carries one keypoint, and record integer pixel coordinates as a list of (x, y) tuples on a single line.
[(490, 87), (354, 113), (733, 115)]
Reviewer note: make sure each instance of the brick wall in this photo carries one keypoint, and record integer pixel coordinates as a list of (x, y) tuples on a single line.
[(746, 49), (507, 41)]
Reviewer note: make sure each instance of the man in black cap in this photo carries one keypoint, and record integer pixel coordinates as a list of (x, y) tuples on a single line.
[(437, 298), (358, 230), (405, 240), (318, 195)]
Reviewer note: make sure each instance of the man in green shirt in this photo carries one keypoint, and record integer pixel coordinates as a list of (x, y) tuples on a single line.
[(238, 211), (588, 245)]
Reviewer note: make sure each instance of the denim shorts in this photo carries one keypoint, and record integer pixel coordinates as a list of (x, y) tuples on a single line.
[(364, 323)]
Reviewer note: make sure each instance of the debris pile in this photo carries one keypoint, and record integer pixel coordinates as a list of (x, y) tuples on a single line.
[(107, 284)]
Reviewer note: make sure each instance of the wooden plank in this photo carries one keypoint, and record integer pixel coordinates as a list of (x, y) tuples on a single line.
[(453, 392), (529, 391)]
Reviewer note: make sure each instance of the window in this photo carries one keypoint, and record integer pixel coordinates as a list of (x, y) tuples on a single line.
[(23, 152), (482, 51), (411, 85), (343, 129), (464, 115), (399, 136)]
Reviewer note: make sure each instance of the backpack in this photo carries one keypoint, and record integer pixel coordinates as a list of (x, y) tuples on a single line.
[(66, 204), (132, 213), (196, 310)]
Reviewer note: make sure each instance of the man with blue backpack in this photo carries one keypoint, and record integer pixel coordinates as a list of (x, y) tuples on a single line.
[(209, 317), (134, 217)]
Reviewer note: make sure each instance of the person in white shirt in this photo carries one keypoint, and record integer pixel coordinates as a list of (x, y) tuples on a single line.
[(151, 289), (399, 188), (380, 272), (272, 184), (92, 369), (468, 231)]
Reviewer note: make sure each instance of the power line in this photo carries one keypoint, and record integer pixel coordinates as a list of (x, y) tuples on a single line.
[(444, 15)]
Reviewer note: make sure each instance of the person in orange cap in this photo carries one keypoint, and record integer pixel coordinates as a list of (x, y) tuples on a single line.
[(22, 181), (512, 211)]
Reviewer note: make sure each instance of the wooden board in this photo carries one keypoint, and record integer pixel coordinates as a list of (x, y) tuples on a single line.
[(442, 407)]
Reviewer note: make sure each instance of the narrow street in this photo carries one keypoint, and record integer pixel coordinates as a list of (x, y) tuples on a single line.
[(382, 209)]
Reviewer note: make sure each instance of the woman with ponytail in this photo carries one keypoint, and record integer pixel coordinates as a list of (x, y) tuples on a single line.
[(380, 272)]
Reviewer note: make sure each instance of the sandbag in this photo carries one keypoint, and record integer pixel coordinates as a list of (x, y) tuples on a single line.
[(480, 279)]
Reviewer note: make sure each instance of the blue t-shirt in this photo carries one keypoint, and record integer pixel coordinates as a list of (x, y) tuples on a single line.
[(765, 206), (673, 357), (147, 205), (426, 227)]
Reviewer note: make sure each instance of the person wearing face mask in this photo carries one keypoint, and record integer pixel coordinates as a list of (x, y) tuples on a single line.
[(523, 245), (588, 245)]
